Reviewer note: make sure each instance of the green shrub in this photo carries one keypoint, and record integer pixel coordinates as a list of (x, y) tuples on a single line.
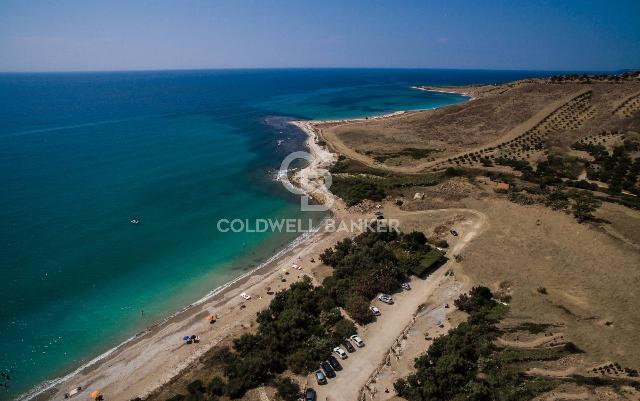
[(216, 386), (288, 390), (195, 387), (364, 190)]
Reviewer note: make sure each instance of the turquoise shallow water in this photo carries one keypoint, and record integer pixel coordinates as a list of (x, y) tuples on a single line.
[(82, 154)]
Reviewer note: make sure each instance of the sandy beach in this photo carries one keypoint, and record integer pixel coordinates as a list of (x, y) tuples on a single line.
[(154, 357)]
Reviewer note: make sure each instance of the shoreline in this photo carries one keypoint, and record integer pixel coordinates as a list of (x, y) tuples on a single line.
[(48, 385), (449, 89), (97, 371)]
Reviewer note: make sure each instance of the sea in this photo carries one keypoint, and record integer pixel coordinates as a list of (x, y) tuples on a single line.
[(82, 155)]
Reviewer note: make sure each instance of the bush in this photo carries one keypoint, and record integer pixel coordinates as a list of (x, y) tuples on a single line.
[(364, 190), (358, 308), (237, 387), (572, 348), (216, 386), (196, 387), (288, 390), (453, 172), (585, 205), (343, 329)]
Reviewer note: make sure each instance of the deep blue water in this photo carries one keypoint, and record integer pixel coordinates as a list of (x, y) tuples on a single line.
[(81, 154)]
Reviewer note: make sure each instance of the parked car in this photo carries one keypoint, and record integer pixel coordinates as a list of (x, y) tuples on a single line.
[(454, 232), (334, 363), (327, 369), (347, 344), (374, 310), (405, 286), (377, 213), (357, 340), (385, 298), (380, 217), (340, 352), (320, 377), (309, 394)]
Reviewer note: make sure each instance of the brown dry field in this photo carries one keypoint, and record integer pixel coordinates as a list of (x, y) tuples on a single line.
[(497, 113), (591, 275), (591, 279)]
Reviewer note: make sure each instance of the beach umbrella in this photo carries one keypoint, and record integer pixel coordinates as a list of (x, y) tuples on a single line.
[(95, 394), (185, 338), (211, 318)]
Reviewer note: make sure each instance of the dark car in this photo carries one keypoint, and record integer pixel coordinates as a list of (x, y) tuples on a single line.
[(320, 377), (347, 344), (310, 394), (334, 362), (328, 370), (454, 232)]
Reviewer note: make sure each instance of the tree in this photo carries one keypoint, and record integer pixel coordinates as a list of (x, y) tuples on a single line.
[(585, 205), (358, 308), (330, 317), (343, 329), (216, 386), (195, 387), (288, 390), (478, 297)]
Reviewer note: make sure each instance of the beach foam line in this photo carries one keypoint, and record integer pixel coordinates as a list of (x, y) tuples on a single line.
[(49, 384)]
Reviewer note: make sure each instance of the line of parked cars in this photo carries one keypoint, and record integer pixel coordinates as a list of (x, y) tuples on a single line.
[(330, 366)]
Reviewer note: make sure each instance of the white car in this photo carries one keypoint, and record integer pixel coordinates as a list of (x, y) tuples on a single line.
[(374, 310), (340, 352), (246, 296), (385, 298), (357, 340), (406, 286)]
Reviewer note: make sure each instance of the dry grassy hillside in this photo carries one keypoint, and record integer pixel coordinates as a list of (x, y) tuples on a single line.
[(512, 119)]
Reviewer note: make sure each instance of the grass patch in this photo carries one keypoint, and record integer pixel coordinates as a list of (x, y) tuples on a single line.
[(414, 153), (356, 188), (512, 355), (530, 327)]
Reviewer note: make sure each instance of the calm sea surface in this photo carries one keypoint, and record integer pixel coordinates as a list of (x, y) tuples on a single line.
[(81, 154)]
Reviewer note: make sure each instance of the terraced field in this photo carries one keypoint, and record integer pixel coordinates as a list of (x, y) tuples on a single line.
[(572, 115), (629, 107)]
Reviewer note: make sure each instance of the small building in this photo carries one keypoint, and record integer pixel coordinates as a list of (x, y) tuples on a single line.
[(502, 186)]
